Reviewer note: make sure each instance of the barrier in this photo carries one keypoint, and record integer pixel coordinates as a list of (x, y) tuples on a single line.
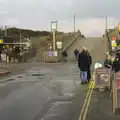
[(52, 56), (7, 61), (116, 93), (102, 78)]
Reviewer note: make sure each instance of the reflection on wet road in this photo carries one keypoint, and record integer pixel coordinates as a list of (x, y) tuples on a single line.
[(46, 93)]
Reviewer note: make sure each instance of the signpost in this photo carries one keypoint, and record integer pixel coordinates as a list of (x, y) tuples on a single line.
[(59, 45), (113, 38), (53, 54), (116, 93), (113, 43), (102, 78), (118, 29), (54, 29)]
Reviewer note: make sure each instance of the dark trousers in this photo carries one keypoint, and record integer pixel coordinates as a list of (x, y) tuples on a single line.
[(88, 74)]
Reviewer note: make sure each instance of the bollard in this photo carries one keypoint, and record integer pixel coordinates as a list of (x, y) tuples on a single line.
[(7, 61), (116, 93), (102, 79)]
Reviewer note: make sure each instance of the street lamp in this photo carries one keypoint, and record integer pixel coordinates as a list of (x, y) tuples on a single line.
[(54, 29)]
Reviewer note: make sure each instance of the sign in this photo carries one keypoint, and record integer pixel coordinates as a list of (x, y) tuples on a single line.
[(113, 38), (53, 25), (118, 96), (117, 80), (113, 48), (114, 44), (1, 41), (59, 45), (118, 28), (102, 76), (118, 84), (3, 57), (55, 53), (50, 53)]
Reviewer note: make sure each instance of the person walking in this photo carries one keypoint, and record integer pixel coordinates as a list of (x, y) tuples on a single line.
[(83, 64), (65, 55), (76, 52)]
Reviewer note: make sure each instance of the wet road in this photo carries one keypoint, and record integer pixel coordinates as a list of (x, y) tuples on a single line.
[(47, 92)]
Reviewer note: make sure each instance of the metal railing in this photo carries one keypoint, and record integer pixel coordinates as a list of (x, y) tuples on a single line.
[(72, 42)]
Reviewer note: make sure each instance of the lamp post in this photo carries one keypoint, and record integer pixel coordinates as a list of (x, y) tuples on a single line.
[(54, 29)]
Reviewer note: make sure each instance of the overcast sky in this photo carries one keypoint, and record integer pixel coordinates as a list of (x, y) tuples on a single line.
[(37, 14)]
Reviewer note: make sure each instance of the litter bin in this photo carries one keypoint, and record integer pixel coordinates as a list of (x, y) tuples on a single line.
[(102, 78)]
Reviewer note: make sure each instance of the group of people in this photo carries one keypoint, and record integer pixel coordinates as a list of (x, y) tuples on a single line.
[(113, 64), (84, 61)]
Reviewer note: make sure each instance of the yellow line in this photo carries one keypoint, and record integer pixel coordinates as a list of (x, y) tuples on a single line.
[(87, 106), (85, 102)]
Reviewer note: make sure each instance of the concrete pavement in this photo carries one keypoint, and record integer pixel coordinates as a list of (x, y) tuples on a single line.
[(47, 91), (101, 107)]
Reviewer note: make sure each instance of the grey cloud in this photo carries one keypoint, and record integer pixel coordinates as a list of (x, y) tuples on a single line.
[(35, 13), (97, 8), (63, 9)]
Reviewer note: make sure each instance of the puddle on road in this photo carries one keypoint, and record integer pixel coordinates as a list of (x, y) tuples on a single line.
[(64, 87), (23, 77)]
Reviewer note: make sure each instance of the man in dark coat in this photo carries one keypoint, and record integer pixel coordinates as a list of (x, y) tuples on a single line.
[(89, 71), (84, 65), (65, 55)]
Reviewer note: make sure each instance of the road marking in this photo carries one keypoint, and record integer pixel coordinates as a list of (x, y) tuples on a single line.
[(86, 100), (88, 104)]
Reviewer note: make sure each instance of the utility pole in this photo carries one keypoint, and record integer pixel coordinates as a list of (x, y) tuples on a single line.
[(20, 42), (74, 23), (5, 30), (106, 23), (106, 34)]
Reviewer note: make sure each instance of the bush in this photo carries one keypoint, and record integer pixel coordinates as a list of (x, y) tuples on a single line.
[(15, 33)]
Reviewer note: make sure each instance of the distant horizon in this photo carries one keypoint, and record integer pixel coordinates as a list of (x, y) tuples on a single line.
[(84, 25)]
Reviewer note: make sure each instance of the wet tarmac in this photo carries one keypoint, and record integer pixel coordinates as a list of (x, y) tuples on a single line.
[(47, 92), (41, 94)]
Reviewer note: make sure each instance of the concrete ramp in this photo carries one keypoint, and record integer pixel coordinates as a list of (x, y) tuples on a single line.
[(96, 47)]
